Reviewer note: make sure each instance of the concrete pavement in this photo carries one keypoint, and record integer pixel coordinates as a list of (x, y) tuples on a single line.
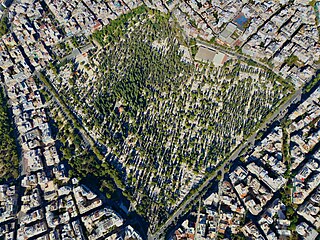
[(76, 52), (238, 55)]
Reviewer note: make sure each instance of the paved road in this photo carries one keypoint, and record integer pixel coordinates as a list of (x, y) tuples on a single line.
[(277, 115), (250, 141), (72, 55), (75, 52), (240, 56), (86, 137)]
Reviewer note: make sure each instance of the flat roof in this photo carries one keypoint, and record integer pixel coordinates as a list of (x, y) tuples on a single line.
[(220, 59), (228, 31), (205, 54)]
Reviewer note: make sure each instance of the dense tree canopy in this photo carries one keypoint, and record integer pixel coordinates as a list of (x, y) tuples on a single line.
[(9, 162), (3, 25), (161, 119)]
